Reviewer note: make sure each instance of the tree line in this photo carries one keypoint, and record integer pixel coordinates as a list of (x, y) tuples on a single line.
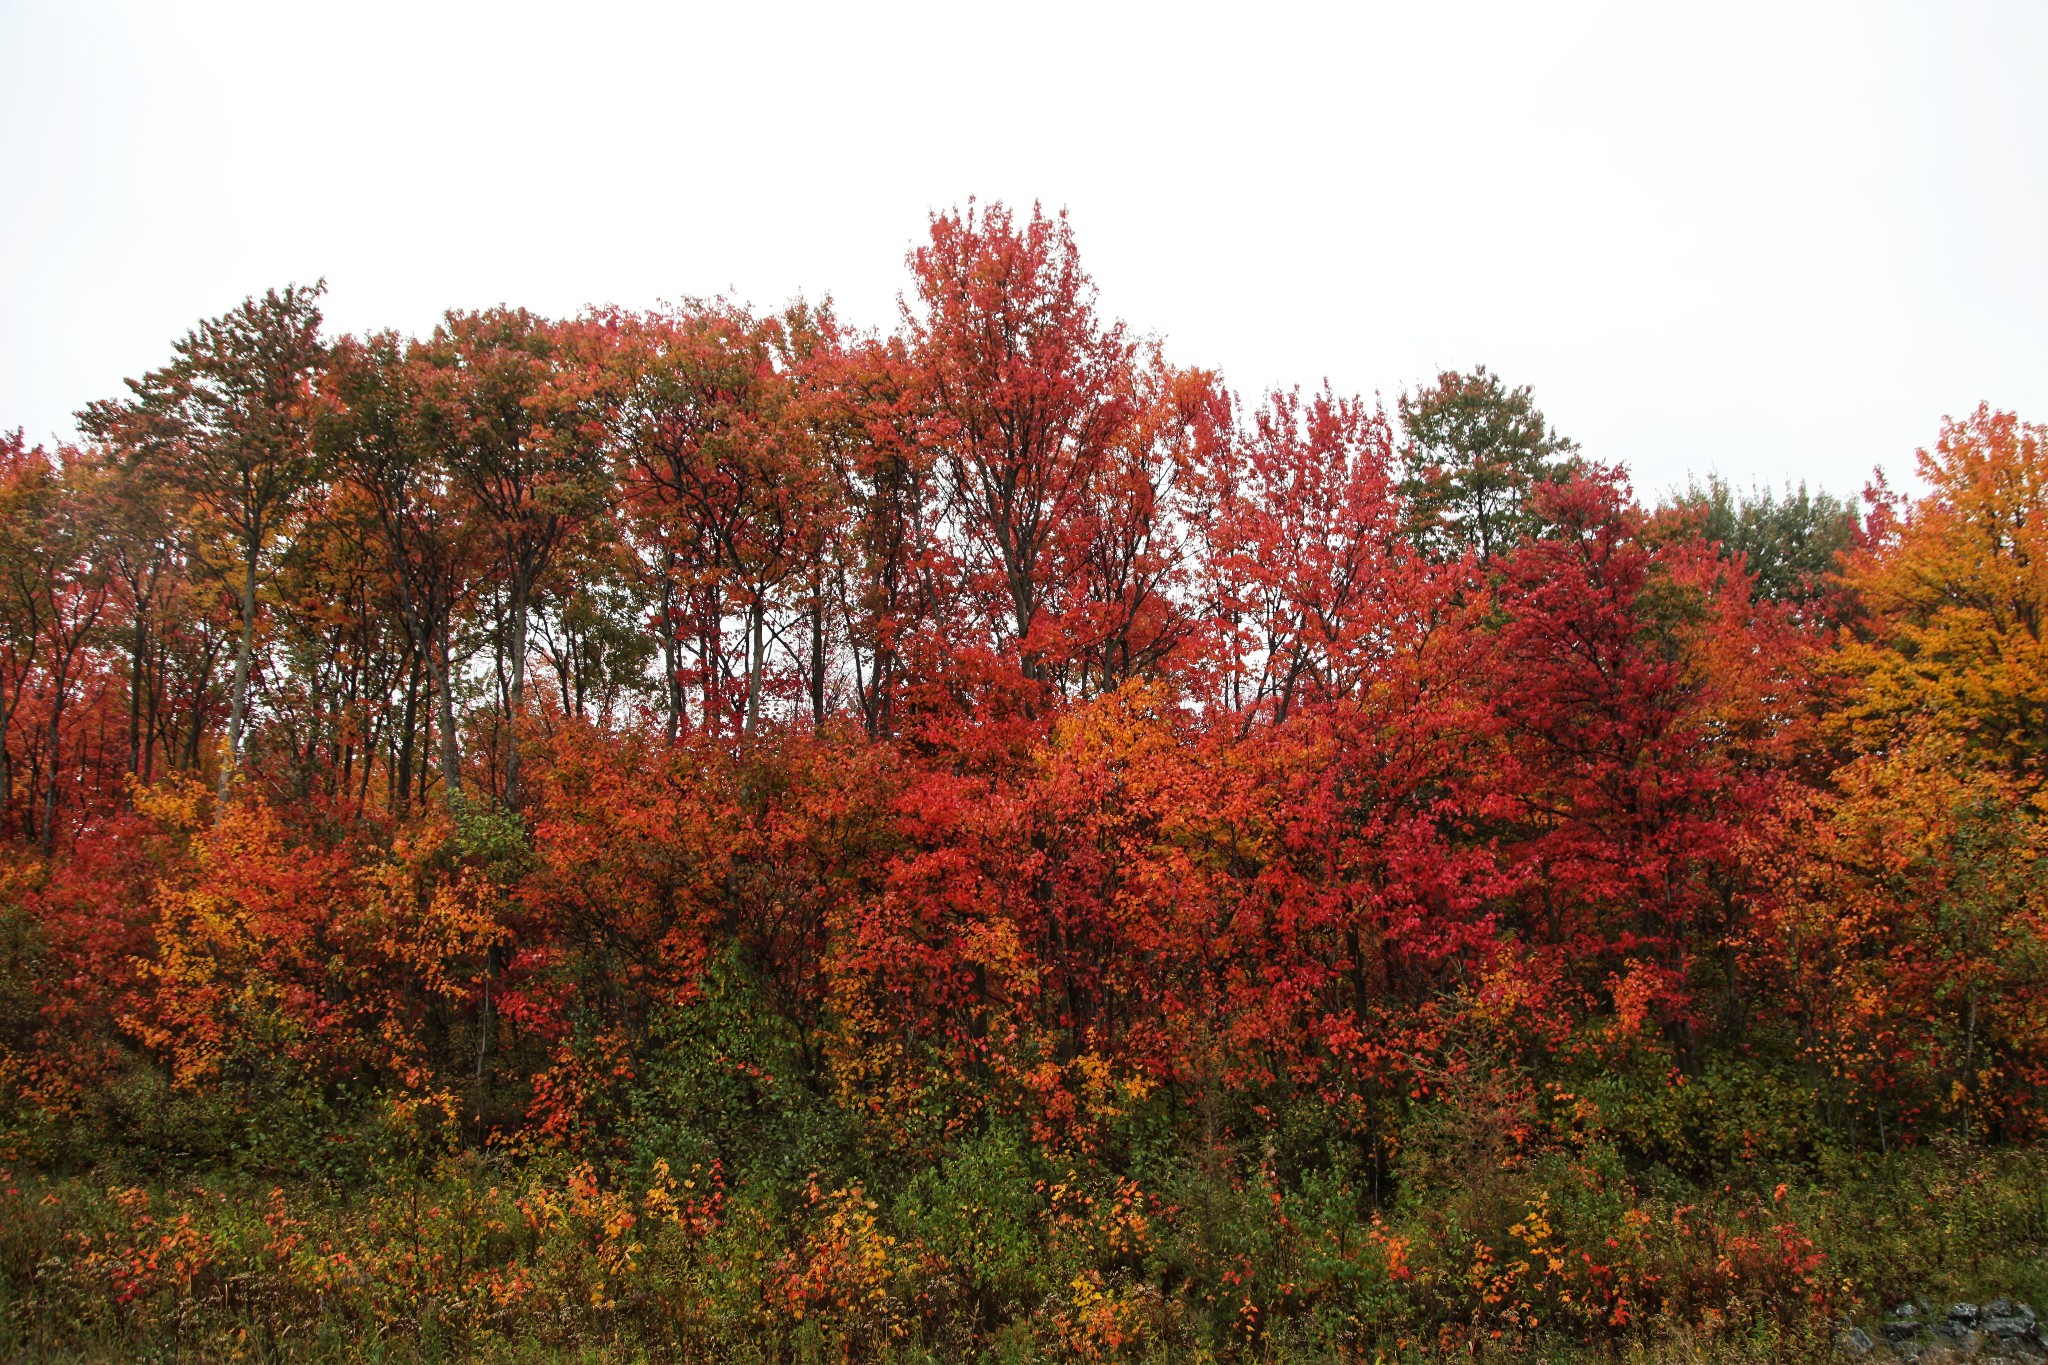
[(441, 734)]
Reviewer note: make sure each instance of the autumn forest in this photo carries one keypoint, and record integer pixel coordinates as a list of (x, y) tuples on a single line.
[(712, 834)]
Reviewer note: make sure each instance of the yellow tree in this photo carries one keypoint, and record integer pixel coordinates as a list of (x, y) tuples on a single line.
[(1929, 849), (1954, 591)]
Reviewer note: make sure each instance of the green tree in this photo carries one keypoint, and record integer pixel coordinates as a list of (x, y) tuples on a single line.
[(1473, 449), (1789, 541), (227, 424)]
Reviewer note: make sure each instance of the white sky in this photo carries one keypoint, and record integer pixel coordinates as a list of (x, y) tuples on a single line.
[(1769, 240)]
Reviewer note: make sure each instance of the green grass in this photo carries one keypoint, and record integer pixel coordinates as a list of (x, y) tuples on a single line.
[(979, 1257)]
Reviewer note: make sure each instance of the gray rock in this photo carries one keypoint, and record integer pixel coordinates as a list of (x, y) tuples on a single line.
[(1963, 1339), (2011, 1353), (1994, 1332), (2007, 1322)]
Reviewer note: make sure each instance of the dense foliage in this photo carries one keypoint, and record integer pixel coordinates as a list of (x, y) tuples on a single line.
[(728, 835)]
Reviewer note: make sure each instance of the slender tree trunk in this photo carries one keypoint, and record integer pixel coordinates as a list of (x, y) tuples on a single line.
[(153, 678), (428, 736), (424, 769), (817, 656), (711, 658), (200, 687), (515, 708), (754, 622), (6, 763), (59, 685), (403, 786), (1025, 604), (135, 672), (451, 753), (238, 710), (372, 739), (672, 687), (189, 751), (567, 671)]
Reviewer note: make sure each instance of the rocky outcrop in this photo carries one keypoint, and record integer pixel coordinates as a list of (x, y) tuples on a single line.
[(1992, 1331)]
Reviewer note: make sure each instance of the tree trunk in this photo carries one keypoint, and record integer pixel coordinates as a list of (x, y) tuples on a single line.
[(451, 753), (403, 789), (817, 657), (238, 709), (711, 658), (47, 835), (153, 676), (6, 764), (200, 688), (136, 655), (1024, 602), (515, 708), (754, 615), (672, 687)]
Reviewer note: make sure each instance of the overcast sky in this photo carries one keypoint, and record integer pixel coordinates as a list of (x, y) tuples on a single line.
[(1766, 240)]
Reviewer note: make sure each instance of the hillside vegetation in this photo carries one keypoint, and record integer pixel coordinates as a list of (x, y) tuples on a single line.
[(702, 835)]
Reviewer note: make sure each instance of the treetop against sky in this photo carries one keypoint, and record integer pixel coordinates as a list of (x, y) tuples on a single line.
[(1761, 240)]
